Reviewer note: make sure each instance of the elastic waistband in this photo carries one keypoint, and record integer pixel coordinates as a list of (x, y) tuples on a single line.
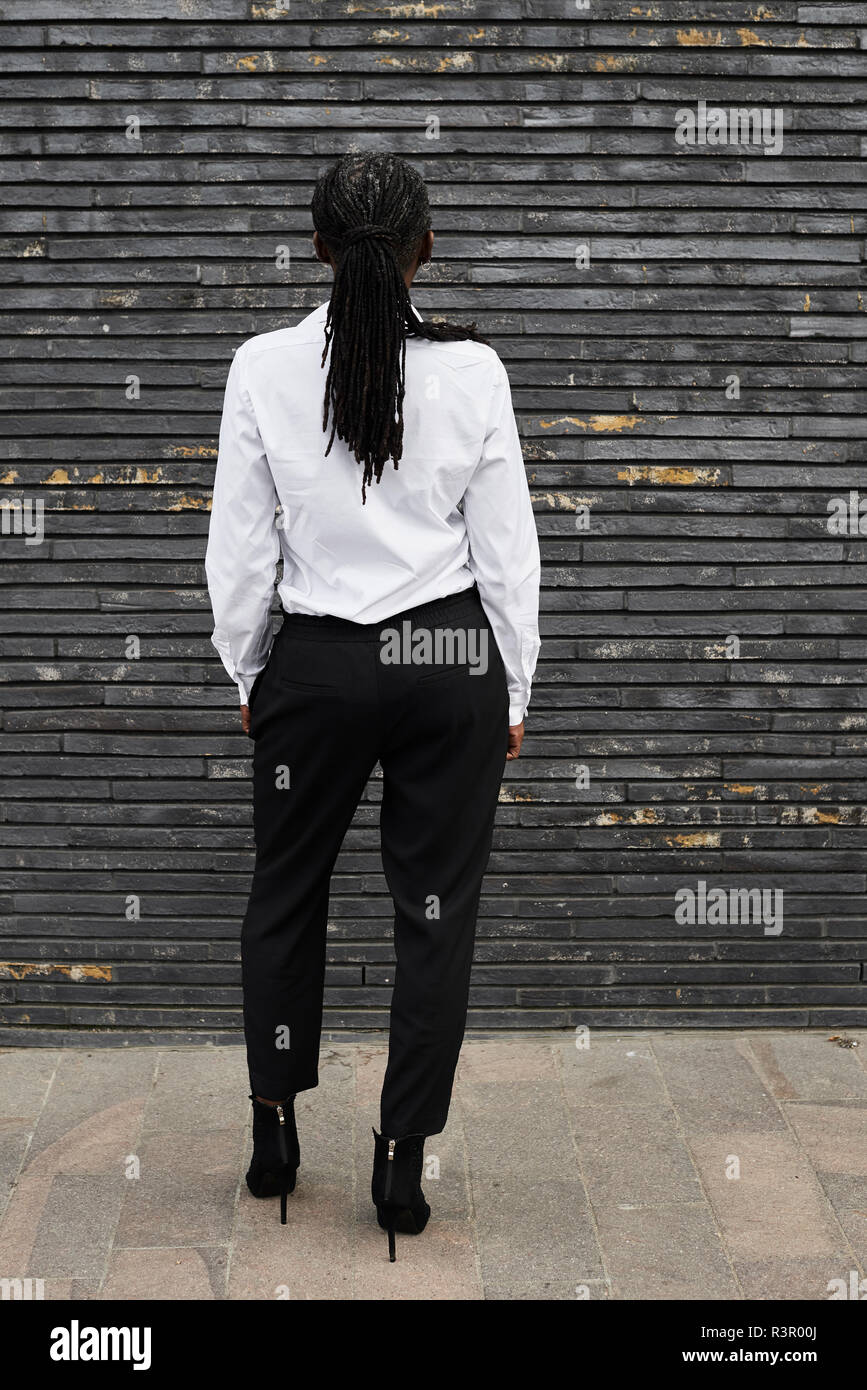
[(314, 625)]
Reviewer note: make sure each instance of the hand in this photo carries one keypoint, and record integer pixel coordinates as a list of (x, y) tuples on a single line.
[(516, 738), (245, 718)]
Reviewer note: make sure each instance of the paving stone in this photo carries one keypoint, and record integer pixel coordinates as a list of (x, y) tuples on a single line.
[(70, 1290), (775, 1205), (63, 1290), (73, 1238), (166, 1274), (522, 1129), (511, 1219), (633, 1156), (25, 1076), (185, 1194), (370, 1064), (14, 1138), (808, 1067), (714, 1085), (594, 1291), (89, 1084), (325, 1119), (859, 1035), (848, 1197), (611, 1071), (793, 1279), (100, 1142), (21, 1220), (439, 1264), (504, 1062), (198, 1088), (835, 1136), (532, 1233), (311, 1257), (97, 1146), (664, 1252)]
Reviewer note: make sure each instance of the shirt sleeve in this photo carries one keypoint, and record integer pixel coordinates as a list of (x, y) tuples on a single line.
[(243, 544), (504, 547)]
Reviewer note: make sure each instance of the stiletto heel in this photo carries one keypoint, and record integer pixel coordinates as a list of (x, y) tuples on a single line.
[(276, 1153), (396, 1187)]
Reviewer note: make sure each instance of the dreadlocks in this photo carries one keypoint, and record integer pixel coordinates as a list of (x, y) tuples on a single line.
[(372, 210)]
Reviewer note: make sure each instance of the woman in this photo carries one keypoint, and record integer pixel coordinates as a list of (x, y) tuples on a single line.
[(410, 637)]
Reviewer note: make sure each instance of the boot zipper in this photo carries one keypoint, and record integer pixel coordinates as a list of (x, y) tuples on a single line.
[(390, 1169), (281, 1134)]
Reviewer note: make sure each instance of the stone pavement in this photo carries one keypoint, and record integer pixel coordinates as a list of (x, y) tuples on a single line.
[(652, 1165)]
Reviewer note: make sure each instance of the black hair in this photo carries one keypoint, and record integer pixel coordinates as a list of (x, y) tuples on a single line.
[(372, 210)]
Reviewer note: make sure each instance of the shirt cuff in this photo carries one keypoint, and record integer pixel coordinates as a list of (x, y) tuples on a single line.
[(516, 714), (243, 692)]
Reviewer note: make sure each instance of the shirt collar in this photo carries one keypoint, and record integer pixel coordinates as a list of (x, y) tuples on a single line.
[(322, 310)]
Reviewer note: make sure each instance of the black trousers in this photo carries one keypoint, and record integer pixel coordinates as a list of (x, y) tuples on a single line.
[(326, 707)]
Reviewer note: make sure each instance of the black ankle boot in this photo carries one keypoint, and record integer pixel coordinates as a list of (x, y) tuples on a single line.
[(276, 1153), (396, 1186)]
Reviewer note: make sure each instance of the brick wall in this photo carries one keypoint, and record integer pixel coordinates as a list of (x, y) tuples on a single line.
[(738, 763)]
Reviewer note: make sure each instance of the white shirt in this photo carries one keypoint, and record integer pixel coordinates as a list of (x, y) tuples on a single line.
[(410, 543)]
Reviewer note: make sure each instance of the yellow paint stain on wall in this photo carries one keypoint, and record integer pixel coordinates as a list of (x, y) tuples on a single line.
[(420, 11), (599, 424), (700, 839), (250, 63), (698, 38), (190, 504), (118, 299), (318, 59), (750, 39), (449, 62), (454, 62), (616, 62), (63, 477), (806, 304), (15, 970), (60, 478), (740, 788), (555, 62), (193, 451), (562, 503), (661, 473), (8, 478)]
